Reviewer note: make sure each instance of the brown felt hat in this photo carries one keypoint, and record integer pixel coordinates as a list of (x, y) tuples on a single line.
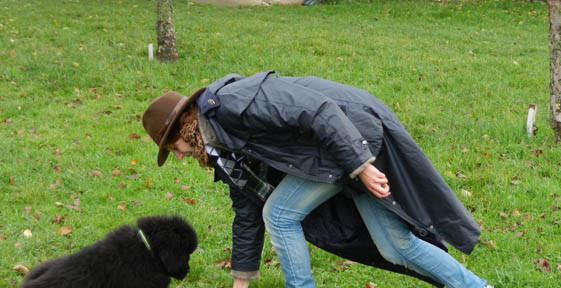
[(161, 114)]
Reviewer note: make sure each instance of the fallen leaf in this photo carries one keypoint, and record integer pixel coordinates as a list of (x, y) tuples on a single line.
[(489, 243), (189, 200), (76, 102), (460, 175), (503, 215), (518, 234), (134, 136), (134, 162), (11, 180), (21, 268), (515, 212), (74, 206), (270, 262), (57, 220), (465, 193), (168, 195), (96, 173), (122, 206), (109, 197), (116, 172), (542, 265), (2, 237), (64, 230), (184, 187), (224, 264), (27, 233), (370, 285)]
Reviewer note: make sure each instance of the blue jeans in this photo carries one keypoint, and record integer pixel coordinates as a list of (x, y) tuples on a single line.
[(294, 198)]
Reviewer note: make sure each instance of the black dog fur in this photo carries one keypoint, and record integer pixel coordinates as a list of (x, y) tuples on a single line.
[(122, 259)]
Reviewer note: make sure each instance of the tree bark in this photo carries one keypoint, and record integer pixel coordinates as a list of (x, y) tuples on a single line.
[(555, 66), (166, 50)]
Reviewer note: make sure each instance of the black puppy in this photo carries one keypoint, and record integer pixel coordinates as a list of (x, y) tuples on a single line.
[(128, 257)]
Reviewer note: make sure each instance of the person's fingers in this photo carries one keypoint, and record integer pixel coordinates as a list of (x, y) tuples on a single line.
[(381, 180), (385, 188), (380, 190)]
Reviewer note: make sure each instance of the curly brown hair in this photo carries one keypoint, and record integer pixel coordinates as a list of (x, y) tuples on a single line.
[(188, 128)]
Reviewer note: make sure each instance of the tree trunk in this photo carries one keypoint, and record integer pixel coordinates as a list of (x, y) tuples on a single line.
[(166, 50), (555, 66)]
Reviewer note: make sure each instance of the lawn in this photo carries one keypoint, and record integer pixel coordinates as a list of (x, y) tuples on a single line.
[(75, 161)]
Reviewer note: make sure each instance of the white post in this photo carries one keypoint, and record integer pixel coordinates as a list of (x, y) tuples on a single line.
[(150, 52), (531, 119)]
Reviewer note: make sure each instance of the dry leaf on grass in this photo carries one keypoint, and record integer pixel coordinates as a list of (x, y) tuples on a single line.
[(96, 173), (21, 268), (116, 172), (64, 230), (224, 264), (542, 265), (189, 200), (122, 206), (270, 262)]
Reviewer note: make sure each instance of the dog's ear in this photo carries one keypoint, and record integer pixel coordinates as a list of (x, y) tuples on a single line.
[(173, 240)]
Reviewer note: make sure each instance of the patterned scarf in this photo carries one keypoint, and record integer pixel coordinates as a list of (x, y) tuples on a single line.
[(191, 134), (249, 175), (237, 169)]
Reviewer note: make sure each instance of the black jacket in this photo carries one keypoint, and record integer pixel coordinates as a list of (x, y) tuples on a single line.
[(323, 131)]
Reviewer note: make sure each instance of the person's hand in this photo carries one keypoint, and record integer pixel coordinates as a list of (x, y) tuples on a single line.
[(375, 181)]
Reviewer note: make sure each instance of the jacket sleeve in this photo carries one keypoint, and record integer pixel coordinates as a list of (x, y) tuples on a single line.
[(247, 235), (281, 105)]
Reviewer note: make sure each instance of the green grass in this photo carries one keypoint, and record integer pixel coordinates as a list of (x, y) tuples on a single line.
[(459, 75)]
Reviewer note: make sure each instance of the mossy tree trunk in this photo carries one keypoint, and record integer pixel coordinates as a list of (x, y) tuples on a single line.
[(555, 66), (166, 50)]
